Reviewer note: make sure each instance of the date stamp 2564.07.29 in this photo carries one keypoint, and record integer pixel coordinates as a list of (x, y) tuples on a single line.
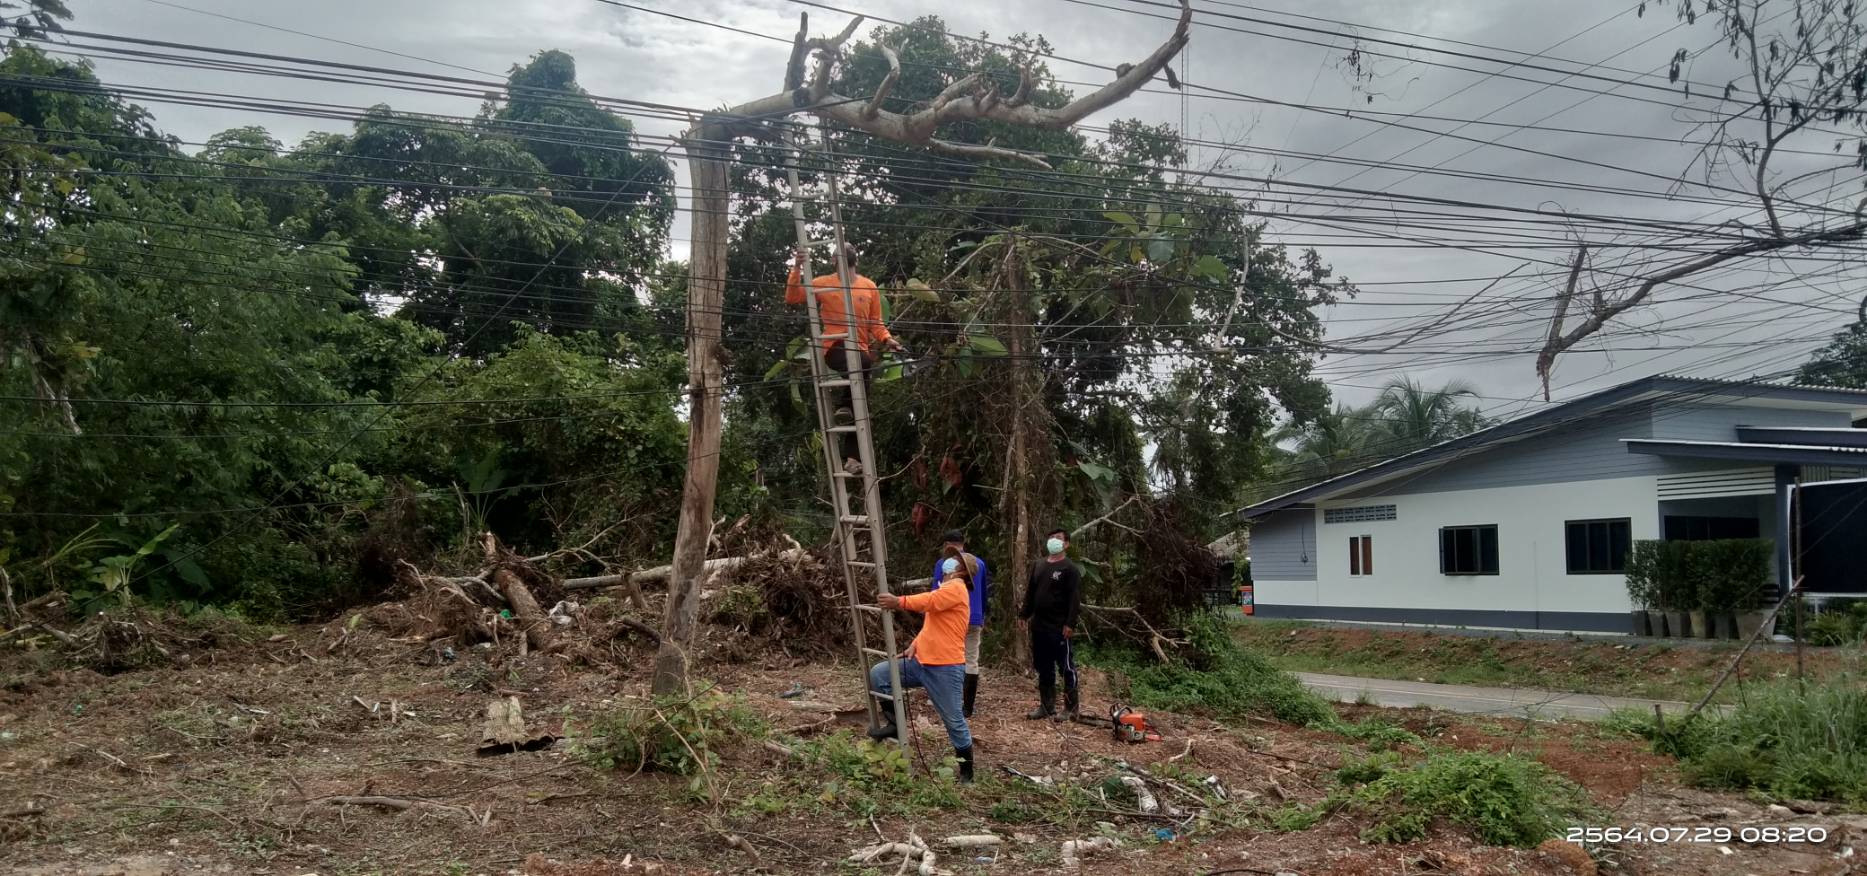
[(1753, 834)]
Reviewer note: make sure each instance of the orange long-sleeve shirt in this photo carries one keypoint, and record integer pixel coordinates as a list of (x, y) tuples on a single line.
[(862, 293), (942, 641)]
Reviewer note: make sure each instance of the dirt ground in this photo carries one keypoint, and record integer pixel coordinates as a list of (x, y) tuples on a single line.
[(1634, 669), (241, 761)]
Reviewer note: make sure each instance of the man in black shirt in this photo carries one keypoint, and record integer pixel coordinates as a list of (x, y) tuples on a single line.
[(1051, 601)]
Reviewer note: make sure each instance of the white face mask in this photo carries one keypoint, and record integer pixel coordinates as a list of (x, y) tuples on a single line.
[(1055, 546)]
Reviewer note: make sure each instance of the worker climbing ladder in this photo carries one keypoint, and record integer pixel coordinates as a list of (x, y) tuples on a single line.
[(855, 495)]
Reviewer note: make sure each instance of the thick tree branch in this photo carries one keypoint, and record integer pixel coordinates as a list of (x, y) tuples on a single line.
[(954, 104), (1558, 345), (1546, 360), (888, 83), (800, 51), (1026, 82)]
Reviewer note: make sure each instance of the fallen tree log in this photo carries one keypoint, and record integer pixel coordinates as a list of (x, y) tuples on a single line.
[(532, 620), (658, 574)]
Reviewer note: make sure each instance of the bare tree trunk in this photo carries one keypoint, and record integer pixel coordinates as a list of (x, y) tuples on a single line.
[(706, 292)]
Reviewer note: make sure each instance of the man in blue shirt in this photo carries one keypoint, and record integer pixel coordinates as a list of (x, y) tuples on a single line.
[(979, 586)]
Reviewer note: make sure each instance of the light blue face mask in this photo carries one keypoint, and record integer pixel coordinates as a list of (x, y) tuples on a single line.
[(1055, 546), (949, 567)]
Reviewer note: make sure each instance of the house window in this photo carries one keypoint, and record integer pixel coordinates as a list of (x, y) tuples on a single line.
[(1468, 550), (1360, 514), (1692, 528), (1361, 555), (1598, 547)]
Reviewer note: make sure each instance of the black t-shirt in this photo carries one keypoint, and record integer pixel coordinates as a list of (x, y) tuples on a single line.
[(1054, 595)]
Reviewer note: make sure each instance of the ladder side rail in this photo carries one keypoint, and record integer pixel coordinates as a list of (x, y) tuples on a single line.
[(819, 370), (865, 447)]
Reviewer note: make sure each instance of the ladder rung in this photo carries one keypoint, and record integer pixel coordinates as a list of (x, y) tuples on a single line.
[(834, 383), (875, 609), (850, 476), (832, 336), (842, 429), (881, 696), (875, 652), (856, 519)]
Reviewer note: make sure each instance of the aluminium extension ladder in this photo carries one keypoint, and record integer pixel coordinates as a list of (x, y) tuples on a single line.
[(856, 496)]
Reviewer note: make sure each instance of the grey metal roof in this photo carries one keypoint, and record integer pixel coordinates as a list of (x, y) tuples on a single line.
[(1834, 436), (1661, 387), (1807, 454)]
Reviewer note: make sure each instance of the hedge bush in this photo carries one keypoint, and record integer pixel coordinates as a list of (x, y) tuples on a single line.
[(1720, 575)]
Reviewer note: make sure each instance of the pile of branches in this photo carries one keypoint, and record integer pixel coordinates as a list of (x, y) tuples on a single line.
[(772, 595), (120, 639), (793, 600), (1173, 568), (509, 600)]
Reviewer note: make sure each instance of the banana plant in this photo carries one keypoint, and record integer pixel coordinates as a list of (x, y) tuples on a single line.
[(115, 573)]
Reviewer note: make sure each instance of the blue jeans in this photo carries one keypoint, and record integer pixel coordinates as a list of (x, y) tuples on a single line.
[(943, 684)]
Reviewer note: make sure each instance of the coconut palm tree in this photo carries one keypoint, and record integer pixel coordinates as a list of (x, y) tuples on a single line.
[(1411, 416), (1336, 443)]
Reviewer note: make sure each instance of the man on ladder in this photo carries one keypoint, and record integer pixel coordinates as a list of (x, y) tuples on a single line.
[(870, 331)]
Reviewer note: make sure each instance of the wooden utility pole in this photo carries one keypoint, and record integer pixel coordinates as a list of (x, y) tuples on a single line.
[(970, 98), (706, 294)]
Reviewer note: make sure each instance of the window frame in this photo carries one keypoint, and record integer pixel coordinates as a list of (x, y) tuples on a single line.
[(1361, 556), (1478, 548), (1568, 556)]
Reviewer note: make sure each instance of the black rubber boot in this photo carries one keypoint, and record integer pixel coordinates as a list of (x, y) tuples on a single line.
[(971, 694), (964, 755), (1072, 704), (1046, 703)]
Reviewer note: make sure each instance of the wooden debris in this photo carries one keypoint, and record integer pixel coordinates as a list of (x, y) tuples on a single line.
[(505, 731), (1073, 850), (1143, 797), (972, 841), (399, 803)]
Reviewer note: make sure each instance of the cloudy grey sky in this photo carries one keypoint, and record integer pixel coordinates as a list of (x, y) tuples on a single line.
[(1761, 318)]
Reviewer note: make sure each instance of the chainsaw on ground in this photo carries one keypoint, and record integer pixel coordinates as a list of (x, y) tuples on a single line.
[(1126, 724)]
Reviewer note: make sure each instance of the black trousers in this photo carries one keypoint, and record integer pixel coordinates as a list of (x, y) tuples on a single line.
[(838, 360), (1051, 656)]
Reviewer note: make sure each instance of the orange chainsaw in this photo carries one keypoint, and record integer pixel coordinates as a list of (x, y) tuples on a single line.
[(1130, 725)]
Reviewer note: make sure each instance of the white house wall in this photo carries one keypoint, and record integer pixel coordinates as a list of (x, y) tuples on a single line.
[(1532, 590)]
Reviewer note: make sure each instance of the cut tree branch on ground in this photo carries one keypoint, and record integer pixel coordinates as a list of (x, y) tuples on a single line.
[(397, 803), (1155, 640)]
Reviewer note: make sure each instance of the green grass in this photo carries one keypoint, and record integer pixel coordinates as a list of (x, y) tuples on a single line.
[(1784, 739), (1648, 671), (1220, 678), (1506, 800)]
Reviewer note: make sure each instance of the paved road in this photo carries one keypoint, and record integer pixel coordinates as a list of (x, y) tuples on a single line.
[(1511, 702)]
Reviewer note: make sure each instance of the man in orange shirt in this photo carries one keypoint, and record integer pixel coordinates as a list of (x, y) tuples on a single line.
[(935, 660), (867, 302)]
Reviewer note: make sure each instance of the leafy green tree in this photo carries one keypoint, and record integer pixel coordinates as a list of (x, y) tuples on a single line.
[(1843, 362)]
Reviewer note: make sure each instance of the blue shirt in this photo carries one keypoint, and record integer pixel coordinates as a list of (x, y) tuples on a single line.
[(980, 589)]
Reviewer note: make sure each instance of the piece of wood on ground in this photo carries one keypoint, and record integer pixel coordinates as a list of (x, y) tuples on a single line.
[(505, 731)]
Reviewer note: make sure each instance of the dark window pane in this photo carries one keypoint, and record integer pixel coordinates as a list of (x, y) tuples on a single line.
[(1445, 551), (1354, 555), (1598, 549), (1367, 555), (1620, 542), (1576, 537), (1487, 560)]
